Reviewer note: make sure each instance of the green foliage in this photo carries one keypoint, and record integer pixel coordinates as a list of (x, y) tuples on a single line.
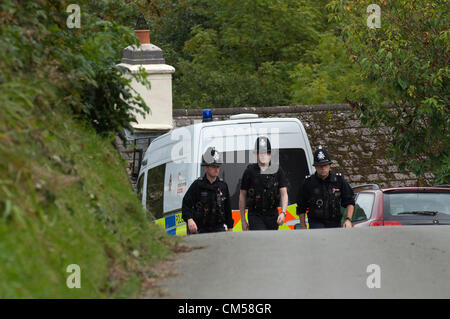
[(107, 102), (171, 23), (252, 53), (64, 195), (408, 60), (65, 199), (78, 63), (327, 75), (235, 53)]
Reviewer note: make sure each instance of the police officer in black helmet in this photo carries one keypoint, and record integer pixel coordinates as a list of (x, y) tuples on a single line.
[(206, 205), (323, 194), (262, 187)]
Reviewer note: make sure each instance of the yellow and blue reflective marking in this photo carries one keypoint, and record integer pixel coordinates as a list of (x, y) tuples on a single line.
[(173, 224), (176, 226)]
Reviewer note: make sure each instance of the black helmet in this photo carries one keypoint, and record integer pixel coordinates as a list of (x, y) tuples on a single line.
[(262, 145), (211, 157), (321, 157)]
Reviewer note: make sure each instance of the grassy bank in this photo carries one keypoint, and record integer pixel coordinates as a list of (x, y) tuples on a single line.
[(64, 194), (65, 199)]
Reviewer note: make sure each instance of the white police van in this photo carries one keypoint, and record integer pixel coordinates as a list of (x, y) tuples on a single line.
[(172, 162)]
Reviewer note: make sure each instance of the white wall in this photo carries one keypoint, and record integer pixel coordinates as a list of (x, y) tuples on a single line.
[(158, 98)]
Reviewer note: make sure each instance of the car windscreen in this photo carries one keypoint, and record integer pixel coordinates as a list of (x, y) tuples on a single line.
[(417, 203), (292, 161)]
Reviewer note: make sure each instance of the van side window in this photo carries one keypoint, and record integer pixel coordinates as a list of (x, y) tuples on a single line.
[(155, 190), (139, 186)]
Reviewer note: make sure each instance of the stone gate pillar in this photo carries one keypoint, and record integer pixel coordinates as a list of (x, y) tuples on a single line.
[(159, 98)]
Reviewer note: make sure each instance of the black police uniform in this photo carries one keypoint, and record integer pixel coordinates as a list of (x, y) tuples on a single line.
[(263, 196), (208, 204), (324, 199)]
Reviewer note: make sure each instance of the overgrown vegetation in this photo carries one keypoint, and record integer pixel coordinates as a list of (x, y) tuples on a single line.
[(64, 194), (408, 60), (78, 64), (250, 53)]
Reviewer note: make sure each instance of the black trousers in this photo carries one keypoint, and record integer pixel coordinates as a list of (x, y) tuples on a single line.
[(207, 229), (212, 229), (262, 222), (323, 223)]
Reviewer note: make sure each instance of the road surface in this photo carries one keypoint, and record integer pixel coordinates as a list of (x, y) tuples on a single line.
[(411, 261)]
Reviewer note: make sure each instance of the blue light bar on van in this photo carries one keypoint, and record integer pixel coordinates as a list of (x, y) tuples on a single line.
[(207, 116)]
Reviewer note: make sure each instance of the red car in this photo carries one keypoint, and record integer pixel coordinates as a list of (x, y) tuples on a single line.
[(401, 206)]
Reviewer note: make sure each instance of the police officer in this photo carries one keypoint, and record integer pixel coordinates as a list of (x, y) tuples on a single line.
[(206, 205), (323, 194), (262, 186)]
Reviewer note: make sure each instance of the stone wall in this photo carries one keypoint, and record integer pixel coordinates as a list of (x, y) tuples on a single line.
[(359, 153)]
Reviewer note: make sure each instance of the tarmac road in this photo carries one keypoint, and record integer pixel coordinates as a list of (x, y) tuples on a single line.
[(414, 262)]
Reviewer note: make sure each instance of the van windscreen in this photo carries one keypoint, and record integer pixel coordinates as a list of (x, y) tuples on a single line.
[(292, 161)]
